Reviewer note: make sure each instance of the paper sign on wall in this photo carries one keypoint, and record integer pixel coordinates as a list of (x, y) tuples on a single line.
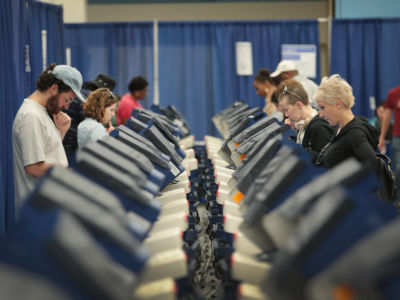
[(305, 57), (44, 49), (244, 58), (68, 56)]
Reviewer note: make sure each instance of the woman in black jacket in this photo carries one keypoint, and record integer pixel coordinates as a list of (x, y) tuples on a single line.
[(294, 103), (354, 136)]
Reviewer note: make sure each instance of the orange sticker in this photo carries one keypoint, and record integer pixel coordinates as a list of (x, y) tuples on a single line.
[(238, 197), (344, 292)]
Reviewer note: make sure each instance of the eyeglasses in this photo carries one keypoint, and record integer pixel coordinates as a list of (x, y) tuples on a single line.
[(111, 94), (68, 100), (102, 94), (286, 91)]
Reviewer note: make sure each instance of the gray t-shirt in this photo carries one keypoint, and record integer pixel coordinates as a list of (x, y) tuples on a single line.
[(89, 130), (35, 139)]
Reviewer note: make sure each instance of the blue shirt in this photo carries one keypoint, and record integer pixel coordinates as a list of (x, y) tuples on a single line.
[(90, 130)]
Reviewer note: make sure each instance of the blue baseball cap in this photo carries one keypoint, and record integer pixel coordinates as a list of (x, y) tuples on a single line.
[(71, 77)]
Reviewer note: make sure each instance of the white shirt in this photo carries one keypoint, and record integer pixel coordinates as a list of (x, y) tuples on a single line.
[(35, 139), (310, 87)]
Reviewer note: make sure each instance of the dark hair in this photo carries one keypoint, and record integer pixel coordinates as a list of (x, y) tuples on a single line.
[(380, 103), (46, 80), (263, 75), (101, 81), (97, 102), (297, 93), (137, 83)]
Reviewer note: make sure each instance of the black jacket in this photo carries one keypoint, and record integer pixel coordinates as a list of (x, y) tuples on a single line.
[(318, 133), (356, 139)]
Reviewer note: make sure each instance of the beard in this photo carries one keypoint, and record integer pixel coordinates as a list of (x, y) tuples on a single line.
[(52, 105)]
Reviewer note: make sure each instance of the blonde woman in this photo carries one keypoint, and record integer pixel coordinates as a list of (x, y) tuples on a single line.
[(354, 136)]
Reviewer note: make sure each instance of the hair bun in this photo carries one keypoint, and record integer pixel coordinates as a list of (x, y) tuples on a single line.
[(264, 72)]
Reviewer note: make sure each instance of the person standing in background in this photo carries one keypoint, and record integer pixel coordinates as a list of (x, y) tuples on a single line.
[(137, 91), (40, 126), (392, 105), (378, 119)]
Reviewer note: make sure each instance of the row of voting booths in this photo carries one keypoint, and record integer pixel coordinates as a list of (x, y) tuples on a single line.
[(292, 230), (150, 213), (103, 229)]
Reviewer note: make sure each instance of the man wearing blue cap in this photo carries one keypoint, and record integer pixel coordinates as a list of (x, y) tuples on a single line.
[(36, 137)]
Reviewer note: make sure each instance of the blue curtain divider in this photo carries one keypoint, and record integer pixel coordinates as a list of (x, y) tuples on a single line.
[(49, 17), (121, 50), (19, 15), (9, 94), (366, 53), (198, 63), (197, 67)]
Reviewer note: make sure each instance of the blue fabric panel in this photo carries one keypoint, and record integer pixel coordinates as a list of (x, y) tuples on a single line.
[(365, 52), (49, 17), (8, 106), (121, 50), (51, 20), (198, 63), (197, 69), (19, 40)]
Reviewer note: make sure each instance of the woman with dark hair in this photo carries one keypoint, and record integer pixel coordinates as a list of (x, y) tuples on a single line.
[(99, 108), (265, 88)]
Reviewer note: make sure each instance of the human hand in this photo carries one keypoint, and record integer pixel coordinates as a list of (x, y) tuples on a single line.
[(381, 144), (110, 127), (62, 122), (290, 123)]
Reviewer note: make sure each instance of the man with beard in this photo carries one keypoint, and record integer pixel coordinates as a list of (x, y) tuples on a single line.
[(36, 138)]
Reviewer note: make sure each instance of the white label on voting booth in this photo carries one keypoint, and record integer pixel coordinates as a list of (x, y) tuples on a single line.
[(174, 170), (305, 57), (244, 58)]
